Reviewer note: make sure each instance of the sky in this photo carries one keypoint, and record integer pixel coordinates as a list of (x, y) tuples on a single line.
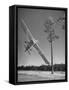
[(35, 19)]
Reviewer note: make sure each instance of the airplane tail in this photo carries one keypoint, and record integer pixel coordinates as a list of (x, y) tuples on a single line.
[(41, 54)]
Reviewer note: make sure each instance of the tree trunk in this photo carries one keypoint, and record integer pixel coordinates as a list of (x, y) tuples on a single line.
[(52, 58)]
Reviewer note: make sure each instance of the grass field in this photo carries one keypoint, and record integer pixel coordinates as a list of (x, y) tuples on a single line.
[(24, 76)]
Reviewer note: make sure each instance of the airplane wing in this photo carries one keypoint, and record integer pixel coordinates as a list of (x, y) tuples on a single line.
[(30, 37), (41, 53), (26, 30)]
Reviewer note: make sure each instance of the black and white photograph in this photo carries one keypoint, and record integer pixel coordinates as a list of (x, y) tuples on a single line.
[(41, 45), (37, 44), (34, 44)]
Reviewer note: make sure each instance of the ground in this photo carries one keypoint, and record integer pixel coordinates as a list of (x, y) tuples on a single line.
[(39, 75)]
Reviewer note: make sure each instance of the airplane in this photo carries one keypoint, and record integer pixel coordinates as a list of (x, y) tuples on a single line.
[(32, 42)]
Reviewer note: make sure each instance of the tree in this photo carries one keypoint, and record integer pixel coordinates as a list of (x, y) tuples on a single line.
[(49, 29), (61, 20)]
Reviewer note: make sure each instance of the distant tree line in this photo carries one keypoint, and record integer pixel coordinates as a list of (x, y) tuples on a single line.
[(56, 67)]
